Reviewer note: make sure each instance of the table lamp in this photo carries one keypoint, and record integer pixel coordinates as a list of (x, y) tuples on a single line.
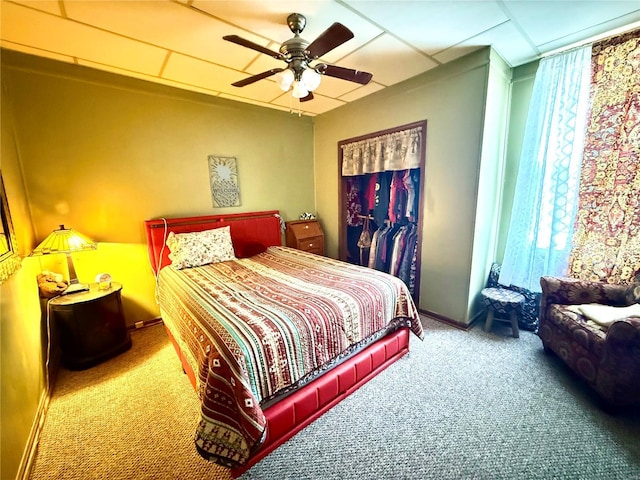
[(67, 241)]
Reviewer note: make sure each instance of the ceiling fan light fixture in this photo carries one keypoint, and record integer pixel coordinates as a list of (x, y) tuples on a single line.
[(284, 79), (298, 54), (299, 90), (310, 79)]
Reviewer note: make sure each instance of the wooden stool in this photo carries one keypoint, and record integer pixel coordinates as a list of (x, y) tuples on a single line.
[(502, 305)]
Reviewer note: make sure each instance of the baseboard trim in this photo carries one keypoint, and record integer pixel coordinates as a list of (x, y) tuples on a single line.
[(145, 323), (29, 455), (449, 321)]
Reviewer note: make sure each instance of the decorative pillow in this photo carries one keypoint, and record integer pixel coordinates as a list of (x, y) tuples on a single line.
[(200, 248), (632, 295)]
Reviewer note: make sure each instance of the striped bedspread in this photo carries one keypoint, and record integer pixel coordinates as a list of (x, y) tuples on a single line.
[(251, 328)]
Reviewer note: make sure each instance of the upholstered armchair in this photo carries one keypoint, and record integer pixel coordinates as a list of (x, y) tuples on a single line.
[(606, 354)]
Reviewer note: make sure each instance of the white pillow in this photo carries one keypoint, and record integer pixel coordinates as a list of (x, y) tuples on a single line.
[(605, 315), (200, 248)]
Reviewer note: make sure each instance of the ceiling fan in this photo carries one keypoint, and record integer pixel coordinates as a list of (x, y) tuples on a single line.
[(298, 53)]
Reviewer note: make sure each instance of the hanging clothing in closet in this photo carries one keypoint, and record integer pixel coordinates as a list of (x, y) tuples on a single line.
[(391, 202), (381, 183)]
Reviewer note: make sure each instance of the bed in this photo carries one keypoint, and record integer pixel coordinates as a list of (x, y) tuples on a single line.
[(270, 337)]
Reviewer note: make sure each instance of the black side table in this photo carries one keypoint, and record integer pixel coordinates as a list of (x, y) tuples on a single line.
[(90, 326)]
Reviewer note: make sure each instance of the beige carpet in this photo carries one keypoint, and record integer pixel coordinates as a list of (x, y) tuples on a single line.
[(100, 425), (462, 405)]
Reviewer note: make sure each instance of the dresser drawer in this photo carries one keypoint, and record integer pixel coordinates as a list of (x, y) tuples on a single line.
[(306, 229), (312, 245)]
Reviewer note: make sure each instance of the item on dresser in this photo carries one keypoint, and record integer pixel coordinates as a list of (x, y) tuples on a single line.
[(50, 284), (262, 332), (103, 280), (305, 235)]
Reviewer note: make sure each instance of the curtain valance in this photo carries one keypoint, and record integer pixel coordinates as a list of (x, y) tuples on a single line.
[(392, 151)]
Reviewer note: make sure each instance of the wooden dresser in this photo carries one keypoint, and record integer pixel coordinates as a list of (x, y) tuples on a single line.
[(305, 235)]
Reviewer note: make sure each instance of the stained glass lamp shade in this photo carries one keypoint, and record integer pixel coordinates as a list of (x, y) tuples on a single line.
[(67, 241)]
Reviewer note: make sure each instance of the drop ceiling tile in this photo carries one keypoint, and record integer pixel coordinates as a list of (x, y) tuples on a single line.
[(389, 60), (169, 25), (149, 78), (505, 38), (335, 87), (545, 22), (432, 26), (183, 69), (135, 37), (361, 92), (36, 51), (627, 22), (261, 63), (43, 5), (63, 37), (269, 19)]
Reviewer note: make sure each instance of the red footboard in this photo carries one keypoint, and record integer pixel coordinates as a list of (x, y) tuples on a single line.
[(289, 416)]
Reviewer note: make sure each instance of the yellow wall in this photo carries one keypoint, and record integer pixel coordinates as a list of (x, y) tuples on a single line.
[(101, 153), (21, 362), (452, 100)]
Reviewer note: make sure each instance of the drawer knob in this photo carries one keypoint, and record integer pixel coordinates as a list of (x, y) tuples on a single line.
[(311, 244), (306, 226)]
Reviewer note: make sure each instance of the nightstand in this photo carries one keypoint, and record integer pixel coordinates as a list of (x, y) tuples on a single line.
[(305, 235), (90, 326)]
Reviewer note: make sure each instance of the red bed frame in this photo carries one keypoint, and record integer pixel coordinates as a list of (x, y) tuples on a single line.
[(252, 232)]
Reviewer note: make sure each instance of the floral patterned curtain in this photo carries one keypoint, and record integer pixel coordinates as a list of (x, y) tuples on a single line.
[(606, 241), (392, 151)]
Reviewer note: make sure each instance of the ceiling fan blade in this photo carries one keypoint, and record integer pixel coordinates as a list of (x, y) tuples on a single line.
[(255, 78), (307, 98), (349, 74), (332, 37), (254, 46)]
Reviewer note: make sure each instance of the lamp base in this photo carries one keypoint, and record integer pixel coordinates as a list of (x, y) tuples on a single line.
[(75, 288)]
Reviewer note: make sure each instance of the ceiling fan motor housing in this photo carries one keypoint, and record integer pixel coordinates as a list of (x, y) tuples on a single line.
[(294, 51), (296, 22)]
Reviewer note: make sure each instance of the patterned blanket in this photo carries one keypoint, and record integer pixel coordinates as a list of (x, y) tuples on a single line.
[(252, 328)]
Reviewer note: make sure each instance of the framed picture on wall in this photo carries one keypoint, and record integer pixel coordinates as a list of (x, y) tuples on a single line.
[(223, 179), (9, 257)]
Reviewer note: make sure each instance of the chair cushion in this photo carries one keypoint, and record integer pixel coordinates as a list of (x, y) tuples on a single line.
[(501, 300)]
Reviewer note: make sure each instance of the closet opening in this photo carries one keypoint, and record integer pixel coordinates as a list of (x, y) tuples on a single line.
[(381, 196)]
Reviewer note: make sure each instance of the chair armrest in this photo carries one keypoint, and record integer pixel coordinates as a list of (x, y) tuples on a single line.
[(619, 369), (624, 332), (571, 291)]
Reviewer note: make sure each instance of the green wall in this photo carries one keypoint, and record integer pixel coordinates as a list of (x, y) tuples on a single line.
[(490, 179), (452, 99)]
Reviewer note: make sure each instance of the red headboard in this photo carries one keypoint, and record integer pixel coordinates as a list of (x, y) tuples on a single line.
[(251, 233)]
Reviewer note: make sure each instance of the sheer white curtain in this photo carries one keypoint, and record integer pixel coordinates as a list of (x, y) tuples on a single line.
[(546, 194)]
